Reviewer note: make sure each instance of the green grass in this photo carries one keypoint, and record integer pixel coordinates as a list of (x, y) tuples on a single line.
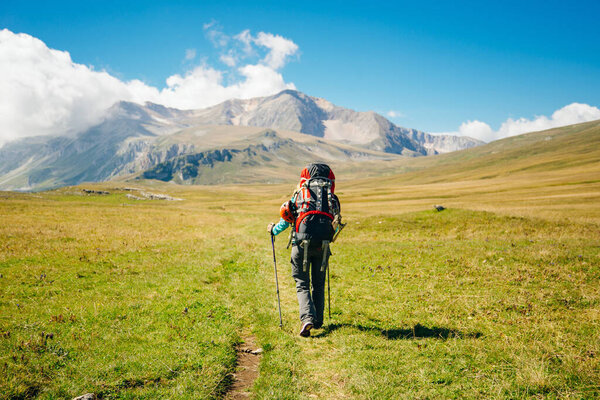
[(496, 297), (464, 304), (85, 308), (457, 304)]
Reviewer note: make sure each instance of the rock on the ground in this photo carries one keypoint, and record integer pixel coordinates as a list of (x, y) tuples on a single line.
[(87, 396), (157, 196), (152, 196)]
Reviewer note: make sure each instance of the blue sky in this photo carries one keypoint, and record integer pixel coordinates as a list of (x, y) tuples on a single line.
[(436, 64)]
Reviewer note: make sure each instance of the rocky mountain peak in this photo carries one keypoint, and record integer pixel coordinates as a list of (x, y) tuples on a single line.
[(134, 137)]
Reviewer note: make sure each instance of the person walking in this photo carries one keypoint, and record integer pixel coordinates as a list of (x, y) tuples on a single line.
[(314, 214)]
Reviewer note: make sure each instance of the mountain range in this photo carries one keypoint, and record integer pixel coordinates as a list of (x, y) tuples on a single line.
[(256, 140)]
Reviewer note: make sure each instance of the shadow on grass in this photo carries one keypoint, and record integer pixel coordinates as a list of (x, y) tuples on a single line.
[(416, 332)]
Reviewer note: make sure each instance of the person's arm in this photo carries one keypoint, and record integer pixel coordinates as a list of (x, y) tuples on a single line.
[(276, 229), (282, 225)]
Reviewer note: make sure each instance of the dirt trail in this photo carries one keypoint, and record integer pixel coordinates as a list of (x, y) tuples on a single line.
[(246, 371)]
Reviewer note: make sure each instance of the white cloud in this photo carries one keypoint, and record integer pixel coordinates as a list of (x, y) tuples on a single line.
[(245, 38), (279, 47), (228, 59), (190, 54), (203, 87), (215, 34), (476, 129), (208, 25), (45, 92), (573, 113), (395, 114), (260, 78)]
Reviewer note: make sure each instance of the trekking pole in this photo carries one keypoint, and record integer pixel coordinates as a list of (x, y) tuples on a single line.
[(328, 294), (276, 281)]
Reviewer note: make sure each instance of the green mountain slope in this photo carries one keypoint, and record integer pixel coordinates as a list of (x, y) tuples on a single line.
[(553, 174), (569, 150)]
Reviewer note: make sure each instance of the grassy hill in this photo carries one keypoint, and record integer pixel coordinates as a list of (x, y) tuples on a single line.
[(495, 297), (572, 149), (551, 174)]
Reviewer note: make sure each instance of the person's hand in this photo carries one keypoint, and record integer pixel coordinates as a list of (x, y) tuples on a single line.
[(270, 228)]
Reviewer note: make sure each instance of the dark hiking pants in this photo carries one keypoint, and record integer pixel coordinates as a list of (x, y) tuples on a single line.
[(311, 303)]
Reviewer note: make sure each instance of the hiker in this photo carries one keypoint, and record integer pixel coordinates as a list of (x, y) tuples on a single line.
[(314, 214)]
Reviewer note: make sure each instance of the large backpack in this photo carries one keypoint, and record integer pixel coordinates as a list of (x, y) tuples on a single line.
[(316, 205)]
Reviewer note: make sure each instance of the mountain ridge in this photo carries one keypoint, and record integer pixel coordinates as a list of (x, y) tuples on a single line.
[(133, 138), (294, 110)]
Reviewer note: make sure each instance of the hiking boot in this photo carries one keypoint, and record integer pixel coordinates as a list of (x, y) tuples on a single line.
[(306, 327), (318, 325)]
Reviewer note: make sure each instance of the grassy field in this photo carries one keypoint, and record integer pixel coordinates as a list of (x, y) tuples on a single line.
[(495, 297)]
